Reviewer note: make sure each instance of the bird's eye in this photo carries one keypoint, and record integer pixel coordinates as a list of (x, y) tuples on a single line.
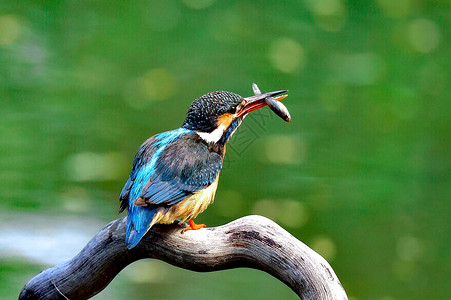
[(232, 110)]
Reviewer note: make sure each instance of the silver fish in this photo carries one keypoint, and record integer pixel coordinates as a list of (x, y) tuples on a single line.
[(276, 106)]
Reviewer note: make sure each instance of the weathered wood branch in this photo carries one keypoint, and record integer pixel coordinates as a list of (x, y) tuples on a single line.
[(253, 241)]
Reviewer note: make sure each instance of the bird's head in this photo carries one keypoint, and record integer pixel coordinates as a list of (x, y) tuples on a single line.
[(215, 116)]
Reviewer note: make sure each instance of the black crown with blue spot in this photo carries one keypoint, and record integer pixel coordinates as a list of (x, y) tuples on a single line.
[(204, 111)]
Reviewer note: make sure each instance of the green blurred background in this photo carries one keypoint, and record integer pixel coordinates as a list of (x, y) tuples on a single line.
[(362, 174)]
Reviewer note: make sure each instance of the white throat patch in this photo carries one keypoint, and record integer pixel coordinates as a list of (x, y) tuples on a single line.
[(212, 137)]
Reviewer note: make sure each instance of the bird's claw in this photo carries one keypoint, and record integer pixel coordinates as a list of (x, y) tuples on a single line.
[(193, 226)]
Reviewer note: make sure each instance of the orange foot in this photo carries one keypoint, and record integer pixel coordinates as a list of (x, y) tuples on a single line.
[(194, 226)]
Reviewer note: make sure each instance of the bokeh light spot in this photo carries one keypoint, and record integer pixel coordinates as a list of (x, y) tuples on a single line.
[(155, 85), (329, 15), (286, 55), (75, 200), (324, 246), (409, 248), (88, 166), (198, 4), (327, 7), (10, 29), (423, 35), (288, 212), (293, 213), (158, 84), (280, 149), (267, 208), (145, 271)]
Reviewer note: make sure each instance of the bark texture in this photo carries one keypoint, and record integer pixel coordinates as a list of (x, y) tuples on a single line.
[(252, 241)]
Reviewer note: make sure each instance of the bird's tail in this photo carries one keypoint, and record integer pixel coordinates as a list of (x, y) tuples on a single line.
[(139, 220)]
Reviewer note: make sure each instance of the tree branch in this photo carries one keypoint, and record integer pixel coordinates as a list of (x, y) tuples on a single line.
[(252, 241)]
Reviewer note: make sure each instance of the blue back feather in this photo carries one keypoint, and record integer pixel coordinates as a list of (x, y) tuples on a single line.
[(168, 168), (139, 217)]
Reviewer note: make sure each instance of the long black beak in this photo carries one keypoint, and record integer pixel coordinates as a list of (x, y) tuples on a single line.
[(258, 101)]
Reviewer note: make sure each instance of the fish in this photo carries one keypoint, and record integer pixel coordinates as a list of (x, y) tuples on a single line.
[(275, 105)]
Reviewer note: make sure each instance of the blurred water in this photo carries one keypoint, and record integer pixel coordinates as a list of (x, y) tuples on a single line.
[(44, 240)]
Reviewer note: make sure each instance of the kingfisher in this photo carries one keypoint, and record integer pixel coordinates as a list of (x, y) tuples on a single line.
[(175, 173)]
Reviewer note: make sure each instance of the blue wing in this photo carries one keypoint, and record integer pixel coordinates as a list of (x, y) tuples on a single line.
[(168, 168), (184, 167)]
